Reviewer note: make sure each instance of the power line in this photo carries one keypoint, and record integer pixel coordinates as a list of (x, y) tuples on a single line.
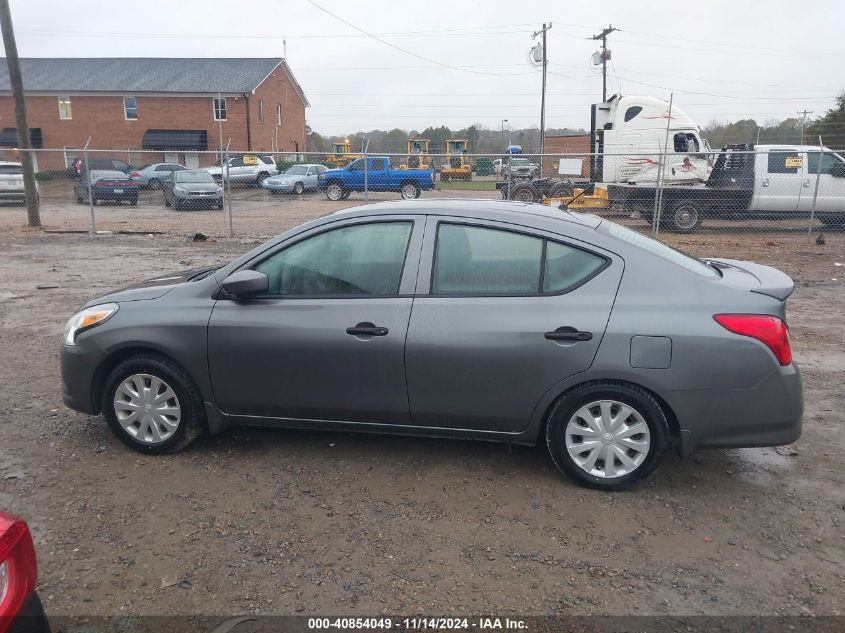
[(399, 48)]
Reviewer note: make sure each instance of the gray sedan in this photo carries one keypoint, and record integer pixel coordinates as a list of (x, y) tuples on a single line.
[(152, 176), (295, 179), (489, 320), (192, 188)]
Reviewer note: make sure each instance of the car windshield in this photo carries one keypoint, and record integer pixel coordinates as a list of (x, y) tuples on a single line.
[(661, 250), (193, 176), (296, 170)]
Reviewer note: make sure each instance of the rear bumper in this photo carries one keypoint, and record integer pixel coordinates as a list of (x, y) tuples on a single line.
[(31, 618), (768, 414)]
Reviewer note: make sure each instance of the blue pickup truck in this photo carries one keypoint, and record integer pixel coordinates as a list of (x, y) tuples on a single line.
[(339, 183)]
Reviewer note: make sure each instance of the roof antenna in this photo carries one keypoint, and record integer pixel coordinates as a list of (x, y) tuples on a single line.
[(284, 48)]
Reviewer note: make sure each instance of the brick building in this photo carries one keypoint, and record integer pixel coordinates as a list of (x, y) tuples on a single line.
[(171, 105), (570, 146)]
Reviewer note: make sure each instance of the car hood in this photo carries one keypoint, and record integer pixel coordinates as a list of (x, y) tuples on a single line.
[(198, 186), (149, 289)]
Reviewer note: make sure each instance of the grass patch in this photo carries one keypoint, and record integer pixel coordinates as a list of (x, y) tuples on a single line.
[(479, 185)]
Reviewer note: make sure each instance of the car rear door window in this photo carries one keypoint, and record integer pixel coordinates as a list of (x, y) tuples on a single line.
[(363, 259), (473, 260), (784, 162)]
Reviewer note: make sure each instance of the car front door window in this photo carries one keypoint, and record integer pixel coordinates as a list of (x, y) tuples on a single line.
[(364, 259)]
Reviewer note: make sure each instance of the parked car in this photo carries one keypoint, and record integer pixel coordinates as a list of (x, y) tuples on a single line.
[(153, 175), (380, 176), (107, 186), (21, 610), (452, 318), (76, 169), (11, 183), (192, 188), (296, 179), (249, 168), (520, 168)]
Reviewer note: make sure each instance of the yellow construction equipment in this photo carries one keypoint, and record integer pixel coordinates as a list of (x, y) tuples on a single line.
[(457, 166), (418, 157), (341, 154), (579, 200)]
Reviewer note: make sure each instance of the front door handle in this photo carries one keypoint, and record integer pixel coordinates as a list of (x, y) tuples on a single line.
[(567, 333), (365, 328), (765, 182)]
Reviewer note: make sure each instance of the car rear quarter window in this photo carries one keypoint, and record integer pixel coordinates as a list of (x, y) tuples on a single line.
[(661, 250), (364, 259), (567, 267)]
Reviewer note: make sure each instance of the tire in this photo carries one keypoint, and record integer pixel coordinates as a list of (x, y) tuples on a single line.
[(409, 191), (525, 193), (682, 216), (299, 188), (133, 202), (335, 192), (345, 195), (219, 207), (166, 201), (261, 177), (141, 372), (561, 190), (568, 415), (154, 183)]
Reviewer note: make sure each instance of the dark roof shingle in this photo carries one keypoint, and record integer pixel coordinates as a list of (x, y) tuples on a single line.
[(143, 74)]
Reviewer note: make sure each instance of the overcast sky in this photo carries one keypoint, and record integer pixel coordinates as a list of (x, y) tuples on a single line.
[(723, 59)]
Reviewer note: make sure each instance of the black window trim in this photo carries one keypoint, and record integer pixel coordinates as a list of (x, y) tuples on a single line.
[(333, 227), (527, 233)]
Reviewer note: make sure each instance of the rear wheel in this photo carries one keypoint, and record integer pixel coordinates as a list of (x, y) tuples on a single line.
[(525, 193), (154, 183), (409, 191), (152, 405), (682, 216), (334, 191), (607, 435)]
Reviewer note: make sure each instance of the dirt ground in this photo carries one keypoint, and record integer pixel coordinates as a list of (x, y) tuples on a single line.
[(293, 522)]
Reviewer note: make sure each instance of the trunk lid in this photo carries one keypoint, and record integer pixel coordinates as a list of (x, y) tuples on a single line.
[(754, 277)]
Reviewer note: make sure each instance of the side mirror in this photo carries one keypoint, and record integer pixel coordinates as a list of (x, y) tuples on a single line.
[(246, 283)]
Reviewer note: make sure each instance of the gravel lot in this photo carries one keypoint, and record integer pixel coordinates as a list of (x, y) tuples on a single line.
[(280, 522)]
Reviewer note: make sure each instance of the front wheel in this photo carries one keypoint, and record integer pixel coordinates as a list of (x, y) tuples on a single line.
[(607, 435), (334, 192), (154, 183), (409, 191), (152, 405), (299, 188)]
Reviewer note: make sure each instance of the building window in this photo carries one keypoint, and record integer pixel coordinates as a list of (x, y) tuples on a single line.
[(278, 114), (219, 108), (64, 108), (130, 108), (261, 111)]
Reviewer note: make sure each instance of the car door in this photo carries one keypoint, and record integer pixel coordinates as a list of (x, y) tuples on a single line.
[(327, 341), (781, 176), (235, 169), (501, 315), (831, 183), (309, 181)]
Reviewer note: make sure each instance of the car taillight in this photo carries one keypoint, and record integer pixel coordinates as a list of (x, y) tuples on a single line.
[(769, 330), (17, 568), (135, 174)]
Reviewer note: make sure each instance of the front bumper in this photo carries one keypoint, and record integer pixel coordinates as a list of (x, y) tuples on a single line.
[(79, 365), (199, 200), (767, 414), (278, 186)]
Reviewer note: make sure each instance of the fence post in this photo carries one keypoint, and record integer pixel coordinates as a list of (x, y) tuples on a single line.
[(816, 190), (510, 175), (227, 184), (661, 170), (88, 187), (366, 173)]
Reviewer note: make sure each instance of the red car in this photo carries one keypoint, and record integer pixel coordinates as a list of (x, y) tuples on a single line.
[(21, 610)]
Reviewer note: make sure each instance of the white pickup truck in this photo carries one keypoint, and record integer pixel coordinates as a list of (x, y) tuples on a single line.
[(763, 181), (249, 168)]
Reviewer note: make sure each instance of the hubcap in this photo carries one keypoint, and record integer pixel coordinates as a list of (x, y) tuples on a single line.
[(607, 439), (147, 408), (408, 192), (334, 192), (685, 217)]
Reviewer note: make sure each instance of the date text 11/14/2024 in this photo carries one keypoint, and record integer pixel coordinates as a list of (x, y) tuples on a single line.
[(418, 624)]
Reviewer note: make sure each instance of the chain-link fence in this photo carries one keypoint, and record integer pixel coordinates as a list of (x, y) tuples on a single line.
[(743, 190)]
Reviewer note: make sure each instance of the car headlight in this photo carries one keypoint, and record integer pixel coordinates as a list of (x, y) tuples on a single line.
[(86, 319), (180, 190)]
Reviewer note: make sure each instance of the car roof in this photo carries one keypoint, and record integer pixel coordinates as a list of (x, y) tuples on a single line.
[(471, 208)]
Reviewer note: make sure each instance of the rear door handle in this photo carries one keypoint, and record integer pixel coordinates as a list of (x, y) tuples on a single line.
[(365, 328), (567, 333)]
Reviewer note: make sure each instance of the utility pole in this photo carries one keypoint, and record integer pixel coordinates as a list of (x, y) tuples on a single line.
[(503, 130), (543, 95), (33, 215), (803, 116), (604, 57)]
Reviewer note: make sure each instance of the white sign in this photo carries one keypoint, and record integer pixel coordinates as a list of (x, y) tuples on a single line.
[(570, 166)]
